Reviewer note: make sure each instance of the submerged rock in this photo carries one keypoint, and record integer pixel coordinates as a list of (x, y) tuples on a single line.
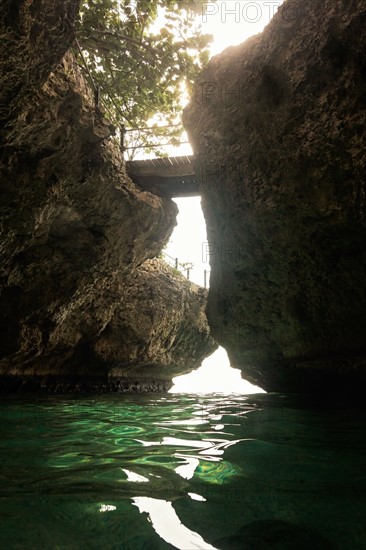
[(73, 226), (276, 534), (278, 129)]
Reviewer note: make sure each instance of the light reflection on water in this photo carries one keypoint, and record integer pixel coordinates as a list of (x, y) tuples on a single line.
[(167, 524), (180, 471)]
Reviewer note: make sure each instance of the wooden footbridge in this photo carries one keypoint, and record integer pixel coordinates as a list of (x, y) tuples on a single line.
[(168, 176)]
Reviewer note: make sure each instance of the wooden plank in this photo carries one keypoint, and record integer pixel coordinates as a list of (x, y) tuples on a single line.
[(170, 186), (168, 176)]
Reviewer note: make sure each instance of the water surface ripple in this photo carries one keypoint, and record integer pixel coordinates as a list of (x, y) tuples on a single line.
[(181, 471)]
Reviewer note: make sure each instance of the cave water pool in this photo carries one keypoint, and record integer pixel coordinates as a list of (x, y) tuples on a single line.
[(181, 471)]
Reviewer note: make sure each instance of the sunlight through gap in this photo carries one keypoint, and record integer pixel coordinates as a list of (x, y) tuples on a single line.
[(188, 244), (214, 376)]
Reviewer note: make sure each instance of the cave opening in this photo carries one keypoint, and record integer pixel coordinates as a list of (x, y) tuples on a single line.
[(189, 245)]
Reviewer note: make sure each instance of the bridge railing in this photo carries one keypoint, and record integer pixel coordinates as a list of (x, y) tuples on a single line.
[(144, 134), (100, 101), (185, 268)]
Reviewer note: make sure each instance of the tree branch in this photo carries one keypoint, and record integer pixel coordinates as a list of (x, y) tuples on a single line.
[(133, 41)]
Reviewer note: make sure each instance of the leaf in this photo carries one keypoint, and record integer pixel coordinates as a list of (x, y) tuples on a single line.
[(138, 70)]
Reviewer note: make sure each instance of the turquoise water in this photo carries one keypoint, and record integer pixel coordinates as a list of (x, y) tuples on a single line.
[(181, 471)]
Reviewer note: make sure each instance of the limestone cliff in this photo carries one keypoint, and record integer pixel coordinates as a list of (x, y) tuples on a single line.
[(278, 128), (74, 228)]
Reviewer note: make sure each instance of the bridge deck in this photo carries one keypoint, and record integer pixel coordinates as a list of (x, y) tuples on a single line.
[(170, 176)]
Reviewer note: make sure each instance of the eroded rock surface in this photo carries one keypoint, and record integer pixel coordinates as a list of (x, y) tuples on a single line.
[(74, 226), (278, 127), (159, 329)]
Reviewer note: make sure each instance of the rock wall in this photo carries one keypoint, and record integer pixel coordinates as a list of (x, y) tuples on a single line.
[(278, 129), (159, 330), (73, 226)]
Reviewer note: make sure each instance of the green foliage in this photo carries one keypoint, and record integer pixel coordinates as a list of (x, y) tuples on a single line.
[(139, 67)]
